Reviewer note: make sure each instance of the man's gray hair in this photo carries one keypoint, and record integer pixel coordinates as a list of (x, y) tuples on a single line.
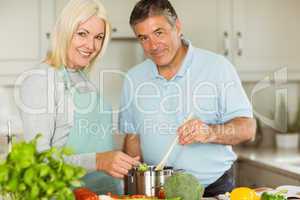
[(148, 8)]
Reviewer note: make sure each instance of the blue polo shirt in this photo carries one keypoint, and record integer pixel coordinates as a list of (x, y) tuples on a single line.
[(207, 86)]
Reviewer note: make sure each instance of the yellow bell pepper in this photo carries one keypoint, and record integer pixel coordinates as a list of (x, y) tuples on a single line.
[(243, 193)]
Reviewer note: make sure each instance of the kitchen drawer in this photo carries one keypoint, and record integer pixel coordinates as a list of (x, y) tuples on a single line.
[(254, 175)]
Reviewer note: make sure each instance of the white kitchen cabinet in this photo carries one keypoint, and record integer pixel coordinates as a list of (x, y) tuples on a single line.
[(118, 13), (25, 27), (258, 37), (265, 36), (205, 22), (255, 175), (59, 5)]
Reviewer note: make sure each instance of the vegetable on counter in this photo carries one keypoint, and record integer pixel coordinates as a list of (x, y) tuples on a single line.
[(138, 197), (28, 174), (143, 167), (243, 193), (85, 194), (183, 185), (270, 196), (144, 198)]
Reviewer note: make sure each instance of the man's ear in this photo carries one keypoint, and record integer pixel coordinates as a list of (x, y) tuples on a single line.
[(178, 27), (133, 30)]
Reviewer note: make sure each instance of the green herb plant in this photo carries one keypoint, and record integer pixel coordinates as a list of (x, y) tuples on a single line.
[(27, 174)]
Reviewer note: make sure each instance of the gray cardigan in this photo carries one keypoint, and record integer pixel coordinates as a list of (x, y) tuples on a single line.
[(46, 107)]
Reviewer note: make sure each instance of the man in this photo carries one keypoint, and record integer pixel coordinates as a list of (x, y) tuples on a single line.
[(177, 81)]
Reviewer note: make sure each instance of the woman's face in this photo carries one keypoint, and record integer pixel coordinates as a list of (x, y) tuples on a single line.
[(86, 42)]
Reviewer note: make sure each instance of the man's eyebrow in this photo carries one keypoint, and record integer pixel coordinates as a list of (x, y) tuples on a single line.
[(158, 29), (140, 35)]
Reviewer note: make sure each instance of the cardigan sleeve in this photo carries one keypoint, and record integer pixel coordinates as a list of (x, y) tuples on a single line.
[(41, 106)]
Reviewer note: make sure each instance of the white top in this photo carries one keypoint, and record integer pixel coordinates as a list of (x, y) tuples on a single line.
[(46, 107)]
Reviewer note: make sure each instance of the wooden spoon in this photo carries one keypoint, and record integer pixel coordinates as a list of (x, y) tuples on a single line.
[(162, 163)]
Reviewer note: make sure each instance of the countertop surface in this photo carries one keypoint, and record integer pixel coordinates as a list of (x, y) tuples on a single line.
[(279, 160), (286, 162)]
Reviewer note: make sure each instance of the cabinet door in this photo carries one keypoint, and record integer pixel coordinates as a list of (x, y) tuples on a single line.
[(25, 26), (205, 22), (266, 35), (119, 13), (59, 5)]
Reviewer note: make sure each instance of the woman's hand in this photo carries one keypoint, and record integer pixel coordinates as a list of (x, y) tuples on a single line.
[(115, 163)]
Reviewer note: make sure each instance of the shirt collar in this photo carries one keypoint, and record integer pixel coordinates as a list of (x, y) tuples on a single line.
[(184, 66)]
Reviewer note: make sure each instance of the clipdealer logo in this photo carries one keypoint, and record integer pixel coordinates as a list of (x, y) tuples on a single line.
[(278, 81)]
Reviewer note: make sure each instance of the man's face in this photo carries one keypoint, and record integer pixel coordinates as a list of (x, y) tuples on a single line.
[(159, 39)]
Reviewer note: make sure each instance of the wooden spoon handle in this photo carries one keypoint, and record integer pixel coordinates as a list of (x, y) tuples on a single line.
[(162, 163)]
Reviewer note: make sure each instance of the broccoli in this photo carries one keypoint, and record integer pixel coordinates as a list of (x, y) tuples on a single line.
[(175, 198), (276, 196), (143, 167), (183, 185)]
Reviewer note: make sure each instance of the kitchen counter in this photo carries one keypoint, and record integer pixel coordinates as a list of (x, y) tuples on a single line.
[(285, 162)]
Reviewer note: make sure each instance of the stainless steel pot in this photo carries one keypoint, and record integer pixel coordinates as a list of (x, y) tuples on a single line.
[(147, 183)]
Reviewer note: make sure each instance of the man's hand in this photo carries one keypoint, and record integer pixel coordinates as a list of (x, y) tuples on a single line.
[(194, 131), (115, 163), (233, 132)]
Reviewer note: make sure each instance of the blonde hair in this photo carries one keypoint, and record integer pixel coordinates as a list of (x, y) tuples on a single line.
[(75, 12)]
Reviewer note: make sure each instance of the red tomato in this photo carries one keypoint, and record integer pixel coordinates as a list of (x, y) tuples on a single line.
[(138, 196), (85, 194), (114, 196), (161, 194)]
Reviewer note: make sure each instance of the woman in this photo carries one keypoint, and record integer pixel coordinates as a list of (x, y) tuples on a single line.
[(60, 102)]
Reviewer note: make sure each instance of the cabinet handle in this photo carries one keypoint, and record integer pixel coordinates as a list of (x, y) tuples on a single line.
[(114, 30), (239, 44), (226, 43), (48, 35)]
